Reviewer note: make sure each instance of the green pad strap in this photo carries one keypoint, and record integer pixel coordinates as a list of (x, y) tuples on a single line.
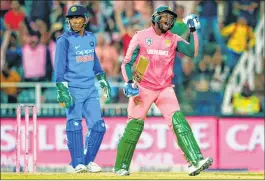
[(127, 144), (185, 138)]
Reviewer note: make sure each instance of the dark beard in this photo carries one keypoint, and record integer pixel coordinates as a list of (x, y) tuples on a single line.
[(161, 28)]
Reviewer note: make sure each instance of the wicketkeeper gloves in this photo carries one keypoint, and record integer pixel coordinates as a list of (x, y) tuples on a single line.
[(192, 21), (130, 89), (104, 84), (63, 96)]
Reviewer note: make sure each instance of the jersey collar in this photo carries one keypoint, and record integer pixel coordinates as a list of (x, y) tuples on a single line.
[(76, 34)]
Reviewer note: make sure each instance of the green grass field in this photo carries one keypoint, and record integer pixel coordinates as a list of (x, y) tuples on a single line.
[(135, 176)]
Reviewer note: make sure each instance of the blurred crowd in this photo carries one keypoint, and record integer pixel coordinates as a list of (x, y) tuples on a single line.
[(29, 30)]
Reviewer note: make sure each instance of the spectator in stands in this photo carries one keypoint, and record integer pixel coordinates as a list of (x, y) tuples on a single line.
[(41, 10), (14, 16), (55, 31), (246, 102), (34, 53), (107, 54), (57, 15), (4, 45), (2, 29), (146, 10), (10, 50), (9, 75), (4, 7), (130, 16), (248, 8), (202, 79), (96, 23), (108, 57), (126, 30), (180, 29), (208, 17), (106, 16), (221, 71), (13, 52), (240, 39)]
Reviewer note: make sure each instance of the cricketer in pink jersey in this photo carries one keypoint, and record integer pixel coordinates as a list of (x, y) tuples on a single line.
[(159, 46)]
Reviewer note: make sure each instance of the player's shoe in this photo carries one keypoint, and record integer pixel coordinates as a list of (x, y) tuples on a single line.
[(80, 169), (203, 165), (121, 172), (69, 169), (93, 167)]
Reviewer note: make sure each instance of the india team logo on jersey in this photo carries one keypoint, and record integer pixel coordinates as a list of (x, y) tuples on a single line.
[(168, 42), (148, 41), (74, 8)]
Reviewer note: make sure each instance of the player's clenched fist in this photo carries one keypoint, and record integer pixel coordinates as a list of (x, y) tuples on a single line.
[(63, 96), (130, 89), (192, 21)]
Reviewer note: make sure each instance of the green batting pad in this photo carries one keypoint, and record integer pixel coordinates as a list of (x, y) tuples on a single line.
[(127, 144), (186, 139)]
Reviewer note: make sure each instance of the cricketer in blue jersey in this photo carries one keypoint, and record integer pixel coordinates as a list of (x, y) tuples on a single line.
[(76, 66)]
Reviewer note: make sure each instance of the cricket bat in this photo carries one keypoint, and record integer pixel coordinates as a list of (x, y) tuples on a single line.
[(141, 69), (139, 73)]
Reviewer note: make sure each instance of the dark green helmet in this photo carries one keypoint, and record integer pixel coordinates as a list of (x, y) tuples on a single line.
[(156, 15)]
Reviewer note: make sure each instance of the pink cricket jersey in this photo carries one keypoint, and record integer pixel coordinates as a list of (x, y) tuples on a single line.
[(160, 50)]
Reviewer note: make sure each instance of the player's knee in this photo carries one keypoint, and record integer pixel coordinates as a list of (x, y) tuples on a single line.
[(73, 125), (74, 133), (99, 126), (134, 128), (134, 116), (179, 123)]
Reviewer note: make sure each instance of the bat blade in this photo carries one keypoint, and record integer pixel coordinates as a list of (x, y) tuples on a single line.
[(141, 68)]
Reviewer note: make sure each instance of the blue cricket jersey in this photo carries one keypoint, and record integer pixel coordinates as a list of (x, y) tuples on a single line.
[(76, 61)]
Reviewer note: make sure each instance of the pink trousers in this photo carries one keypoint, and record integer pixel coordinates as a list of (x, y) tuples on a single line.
[(164, 99)]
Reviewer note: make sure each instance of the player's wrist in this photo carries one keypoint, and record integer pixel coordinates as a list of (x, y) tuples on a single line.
[(130, 82), (192, 29), (62, 86), (101, 76)]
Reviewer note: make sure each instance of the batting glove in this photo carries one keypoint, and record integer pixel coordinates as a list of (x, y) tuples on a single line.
[(130, 89), (192, 21)]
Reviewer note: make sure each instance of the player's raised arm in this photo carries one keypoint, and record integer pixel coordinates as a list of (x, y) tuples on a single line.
[(190, 48), (130, 58)]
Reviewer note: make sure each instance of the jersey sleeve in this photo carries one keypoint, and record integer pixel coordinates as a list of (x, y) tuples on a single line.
[(130, 58), (228, 30), (190, 48), (60, 59), (97, 68)]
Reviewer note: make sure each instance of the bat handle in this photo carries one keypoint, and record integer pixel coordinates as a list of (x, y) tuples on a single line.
[(134, 85)]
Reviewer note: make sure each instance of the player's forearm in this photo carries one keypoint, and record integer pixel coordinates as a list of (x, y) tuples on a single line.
[(129, 61), (189, 49), (59, 72), (97, 68), (127, 72)]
